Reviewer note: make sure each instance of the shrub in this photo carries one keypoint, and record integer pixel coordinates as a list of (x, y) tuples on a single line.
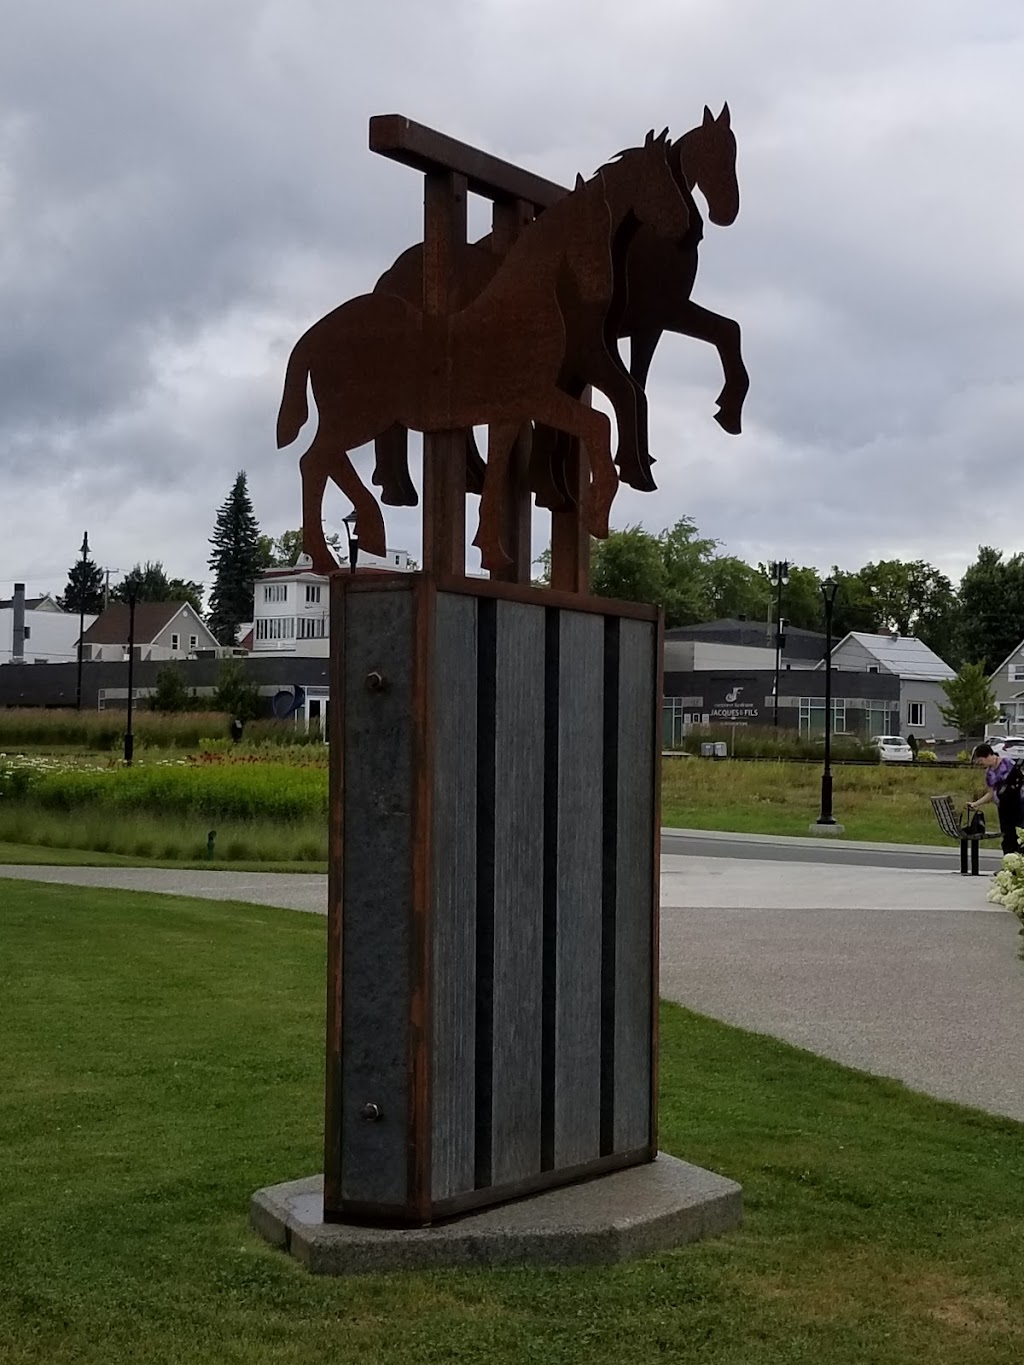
[(752, 741), (170, 693), (926, 756)]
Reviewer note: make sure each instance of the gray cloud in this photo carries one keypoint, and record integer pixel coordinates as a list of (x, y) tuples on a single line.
[(184, 188)]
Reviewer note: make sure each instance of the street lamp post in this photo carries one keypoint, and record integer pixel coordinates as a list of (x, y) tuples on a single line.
[(129, 738), (780, 577), (828, 591), (81, 620), (349, 523)]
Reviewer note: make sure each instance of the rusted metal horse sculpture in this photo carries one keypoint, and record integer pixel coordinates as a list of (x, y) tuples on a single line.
[(378, 360), (660, 280)]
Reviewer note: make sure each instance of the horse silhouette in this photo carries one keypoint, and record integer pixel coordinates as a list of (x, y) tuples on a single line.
[(660, 275), (377, 360)]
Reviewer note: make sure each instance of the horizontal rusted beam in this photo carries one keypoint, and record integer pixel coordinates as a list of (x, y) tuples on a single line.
[(413, 144)]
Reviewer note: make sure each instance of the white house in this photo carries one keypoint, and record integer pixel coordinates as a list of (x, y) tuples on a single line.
[(50, 635), (291, 606), (163, 631), (920, 670)]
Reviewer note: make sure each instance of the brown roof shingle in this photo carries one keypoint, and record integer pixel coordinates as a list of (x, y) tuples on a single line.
[(111, 626)]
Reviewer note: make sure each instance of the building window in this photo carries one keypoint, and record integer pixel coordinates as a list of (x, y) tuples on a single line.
[(275, 592), (1017, 672), (312, 592), (193, 642), (872, 668), (313, 627), (275, 628), (812, 716), (175, 642), (915, 714)]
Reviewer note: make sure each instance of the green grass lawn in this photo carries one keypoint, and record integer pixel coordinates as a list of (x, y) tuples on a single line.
[(887, 803), (160, 1059)]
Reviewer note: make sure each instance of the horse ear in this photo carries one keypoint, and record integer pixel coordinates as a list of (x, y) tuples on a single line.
[(709, 117), (580, 182), (725, 118), (649, 138), (663, 135)]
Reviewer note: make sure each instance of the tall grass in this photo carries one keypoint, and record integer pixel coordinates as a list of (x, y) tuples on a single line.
[(176, 838), (103, 731), (753, 741)]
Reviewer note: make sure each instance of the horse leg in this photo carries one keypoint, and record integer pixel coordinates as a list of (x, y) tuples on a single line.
[(314, 467), (547, 469), (369, 521), (493, 554), (642, 346), (724, 334), (476, 470), (391, 472), (557, 409), (605, 370)]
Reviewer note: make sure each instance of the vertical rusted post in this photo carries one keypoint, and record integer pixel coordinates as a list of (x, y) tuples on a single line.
[(570, 536), (444, 453), (508, 219)]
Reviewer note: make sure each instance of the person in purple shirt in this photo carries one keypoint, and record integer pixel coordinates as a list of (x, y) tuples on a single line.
[(1006, 795)]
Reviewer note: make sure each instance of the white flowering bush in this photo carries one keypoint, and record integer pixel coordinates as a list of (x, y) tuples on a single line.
[(1008, 885)]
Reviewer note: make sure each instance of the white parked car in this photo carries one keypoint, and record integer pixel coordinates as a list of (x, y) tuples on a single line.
[(893, 748), (1010, 747)]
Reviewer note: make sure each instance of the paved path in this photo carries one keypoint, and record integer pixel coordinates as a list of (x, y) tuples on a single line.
[(832, 852), (906, 972)]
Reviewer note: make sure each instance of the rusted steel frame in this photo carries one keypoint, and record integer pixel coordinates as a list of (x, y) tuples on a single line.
[(335, 899), (444, 453), (570, 538), (548, 597), (425, 149), (659, 700), (357, 1211), (507, 221), (420, 1039)]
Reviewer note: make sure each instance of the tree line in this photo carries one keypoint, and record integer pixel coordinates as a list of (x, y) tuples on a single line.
[(979, 621)]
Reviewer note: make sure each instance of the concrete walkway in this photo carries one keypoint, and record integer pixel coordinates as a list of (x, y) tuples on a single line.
[(904, 972)]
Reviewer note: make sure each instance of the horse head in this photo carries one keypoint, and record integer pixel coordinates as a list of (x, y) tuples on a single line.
[(707, 158), (642, 182)]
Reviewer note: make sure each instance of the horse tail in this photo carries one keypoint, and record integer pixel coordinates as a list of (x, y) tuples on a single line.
[(294, 408)]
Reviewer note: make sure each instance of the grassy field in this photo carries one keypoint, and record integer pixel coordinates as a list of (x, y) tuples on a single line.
[(162, 1058), (38, 855), (884, 802), (271, 810)]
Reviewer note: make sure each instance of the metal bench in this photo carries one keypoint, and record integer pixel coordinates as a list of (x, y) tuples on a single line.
[(945, 814)]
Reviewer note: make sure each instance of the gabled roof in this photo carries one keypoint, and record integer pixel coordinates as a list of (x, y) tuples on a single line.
[(45, 603), (111, 626), (1012, 655), (904, 655)]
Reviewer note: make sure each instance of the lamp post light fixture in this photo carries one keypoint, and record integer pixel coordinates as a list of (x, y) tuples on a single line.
[(826, 819), (349, 523), (779, 573), (81, 621)]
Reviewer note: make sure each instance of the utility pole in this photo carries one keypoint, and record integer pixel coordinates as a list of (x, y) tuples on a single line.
[(106, 587)]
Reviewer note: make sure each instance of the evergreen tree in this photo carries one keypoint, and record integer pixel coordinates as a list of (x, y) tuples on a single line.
[(236, 562), (84, 591), (151, 584)]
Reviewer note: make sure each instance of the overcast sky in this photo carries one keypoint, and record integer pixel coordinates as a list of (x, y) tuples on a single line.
[(186, 186)]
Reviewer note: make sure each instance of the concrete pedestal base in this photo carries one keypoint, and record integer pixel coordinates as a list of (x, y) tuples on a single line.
[(825, 831), (613, 1218)]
